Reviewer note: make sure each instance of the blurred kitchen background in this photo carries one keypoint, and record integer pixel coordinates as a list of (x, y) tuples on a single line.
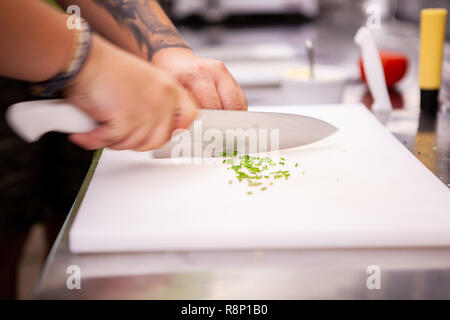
[(259, 39)]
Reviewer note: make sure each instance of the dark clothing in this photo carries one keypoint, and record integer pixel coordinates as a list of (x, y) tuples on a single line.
[(38, 181)]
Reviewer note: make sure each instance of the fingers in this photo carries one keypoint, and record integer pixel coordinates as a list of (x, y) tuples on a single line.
[(243, 98), (231, 94), (158, 137), (101, 137), (186, 112), (216, 88), (205, 92), (143, 138), (140, 139), (151, 134), (135, 140)]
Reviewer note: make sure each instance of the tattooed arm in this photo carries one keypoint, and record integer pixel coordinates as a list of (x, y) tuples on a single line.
[(139, 26), (142, 28), (136, 104)]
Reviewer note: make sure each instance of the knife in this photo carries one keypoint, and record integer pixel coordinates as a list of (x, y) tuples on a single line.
[(32, 119)]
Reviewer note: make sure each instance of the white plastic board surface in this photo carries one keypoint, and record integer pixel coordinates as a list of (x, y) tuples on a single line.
[(359, 187)]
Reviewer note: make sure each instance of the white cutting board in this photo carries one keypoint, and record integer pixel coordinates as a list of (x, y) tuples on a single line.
[(360, 188)]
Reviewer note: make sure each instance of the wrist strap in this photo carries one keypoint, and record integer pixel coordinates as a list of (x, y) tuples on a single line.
[(50, 87)]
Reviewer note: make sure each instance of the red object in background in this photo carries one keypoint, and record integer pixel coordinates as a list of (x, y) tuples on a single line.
[(394, 64)]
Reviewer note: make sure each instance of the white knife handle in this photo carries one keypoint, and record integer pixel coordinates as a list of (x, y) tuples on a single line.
[(32, 119), (373, 70)]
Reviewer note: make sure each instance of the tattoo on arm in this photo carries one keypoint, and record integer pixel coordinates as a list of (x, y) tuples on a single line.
[(147, 23)]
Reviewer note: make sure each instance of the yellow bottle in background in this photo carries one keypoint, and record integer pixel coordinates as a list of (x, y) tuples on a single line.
[(432, 37)]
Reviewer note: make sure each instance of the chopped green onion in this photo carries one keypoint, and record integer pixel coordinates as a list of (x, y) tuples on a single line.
[(251, 169)]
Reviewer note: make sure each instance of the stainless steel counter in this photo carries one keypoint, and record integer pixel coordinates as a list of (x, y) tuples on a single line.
[(291, 274)]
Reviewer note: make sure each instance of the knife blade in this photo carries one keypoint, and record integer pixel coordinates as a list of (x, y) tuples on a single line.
[(32, 119)]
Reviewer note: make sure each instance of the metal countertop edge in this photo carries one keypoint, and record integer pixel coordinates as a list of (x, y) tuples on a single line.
[(69, 219)]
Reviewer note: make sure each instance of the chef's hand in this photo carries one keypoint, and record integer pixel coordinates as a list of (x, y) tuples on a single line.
[(137, 105), (208, 80)]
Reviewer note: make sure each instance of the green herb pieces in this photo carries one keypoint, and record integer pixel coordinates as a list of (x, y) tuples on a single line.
[(229, 153), (256, 171)]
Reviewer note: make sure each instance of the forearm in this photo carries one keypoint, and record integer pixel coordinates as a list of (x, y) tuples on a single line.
[(35, 43), (138, 26)]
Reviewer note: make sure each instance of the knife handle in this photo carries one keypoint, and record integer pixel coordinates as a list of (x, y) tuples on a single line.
[(32, 119), (373, 70)]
